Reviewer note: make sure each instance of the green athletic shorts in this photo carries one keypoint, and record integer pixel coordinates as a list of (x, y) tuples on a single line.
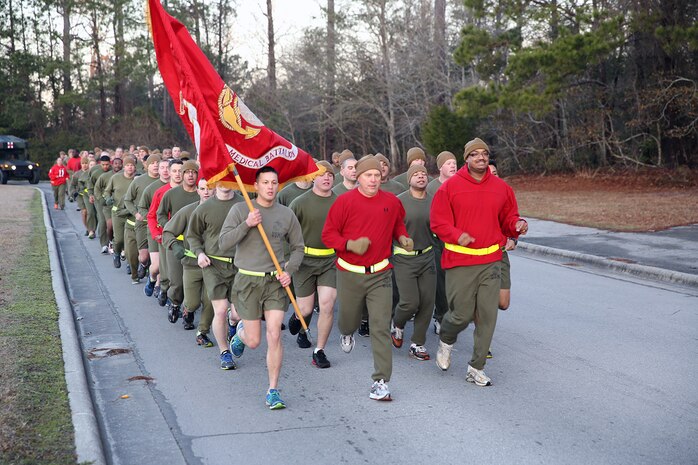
[(314, 272), (218, 280), (505, 268), (255, 294)]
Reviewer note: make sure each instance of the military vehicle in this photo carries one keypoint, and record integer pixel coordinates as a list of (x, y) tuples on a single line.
[(14, 162)]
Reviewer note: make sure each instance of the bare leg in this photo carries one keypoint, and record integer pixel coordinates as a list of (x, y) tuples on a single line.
[(275, 350)]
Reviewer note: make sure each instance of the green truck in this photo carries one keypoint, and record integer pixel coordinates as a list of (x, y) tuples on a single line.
[(14, 161)]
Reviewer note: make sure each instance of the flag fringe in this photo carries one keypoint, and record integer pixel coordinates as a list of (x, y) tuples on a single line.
[(249, 187)]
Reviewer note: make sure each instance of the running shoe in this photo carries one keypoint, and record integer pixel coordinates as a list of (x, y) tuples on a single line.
[(174, 313), (105, 250), (188, 320), (294, 324), (162, 298), (364, 330), (396, 336), (142, 270), (303, 341), (203, 340), (274, 401), (489, 354), (91, 235), (232, 329), (110, 247), (347, 343), (116, 260), (380, 391), (156, 291), (320, 359), (419, 352), (443, 355), (55, 206), (123, 255), (149, 288), (135, 281), (227, 362), (477, 377), (128, 268), (437, 327), (237, 347)]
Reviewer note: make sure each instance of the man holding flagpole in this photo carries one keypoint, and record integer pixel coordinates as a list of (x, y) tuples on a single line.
[(258, 289)]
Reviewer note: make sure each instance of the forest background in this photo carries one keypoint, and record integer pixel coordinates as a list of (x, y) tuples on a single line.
[(554, 86)]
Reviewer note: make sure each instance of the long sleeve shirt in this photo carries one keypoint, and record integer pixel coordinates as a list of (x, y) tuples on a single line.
[(486, 210), (154, 227), (353, 215)]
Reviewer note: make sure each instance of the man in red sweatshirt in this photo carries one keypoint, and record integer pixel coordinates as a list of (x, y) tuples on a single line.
[(473, 214), (360, 227), (59, 176)]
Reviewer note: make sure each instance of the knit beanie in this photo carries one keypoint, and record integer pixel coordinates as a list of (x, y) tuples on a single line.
[(367, 163), (414, 169), (415, 153), (151, 159), (380, 157), (344, 156), (190, 165), (326, 165), (473, 145), (129, 161), (443, 158)]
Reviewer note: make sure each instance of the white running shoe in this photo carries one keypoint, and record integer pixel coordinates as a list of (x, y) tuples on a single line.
[(380, 391), (477, 377), (347, 343), (437, 327), (443, 355)]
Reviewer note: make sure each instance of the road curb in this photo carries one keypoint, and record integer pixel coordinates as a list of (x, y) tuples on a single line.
[(88, 443), (642, 271)]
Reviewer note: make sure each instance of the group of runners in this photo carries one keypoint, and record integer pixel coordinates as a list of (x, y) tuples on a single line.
[(386, 250)]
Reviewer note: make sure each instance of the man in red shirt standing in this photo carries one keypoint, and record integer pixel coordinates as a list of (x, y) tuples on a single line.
[(473, 214), (59, 176), (361, 226)]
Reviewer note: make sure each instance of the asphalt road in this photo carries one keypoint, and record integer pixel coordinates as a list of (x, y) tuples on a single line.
[(588, 367)]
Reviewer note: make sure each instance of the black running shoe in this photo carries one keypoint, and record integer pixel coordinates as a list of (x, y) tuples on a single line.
[(128, 268), (162, 298), (364, 329), (203, 340), (294, 324), (188, 321), (117, 261), (320, 359), (142, 270), (174, 313), (303, 341)]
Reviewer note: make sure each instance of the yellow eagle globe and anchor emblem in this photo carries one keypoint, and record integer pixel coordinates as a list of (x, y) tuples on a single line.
[(231, 110)]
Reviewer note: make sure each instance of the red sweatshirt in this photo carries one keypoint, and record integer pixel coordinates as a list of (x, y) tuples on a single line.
[(486, 210), (74, 164), (58, 175), (153, 225), (381, 218)]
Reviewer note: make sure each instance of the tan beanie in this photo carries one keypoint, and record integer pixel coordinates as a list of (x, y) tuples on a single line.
[(344, 156), (190, 165), (326, 165), (129, 161), (367, 163), (151, 159), (415, 153), (473, 145), (443, 158), (380, 157), (414, 169)]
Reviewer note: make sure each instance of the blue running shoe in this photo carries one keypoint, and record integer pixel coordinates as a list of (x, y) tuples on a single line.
[(274, 400), (237, 347), (149, 288), (232, 329), (227, 362)]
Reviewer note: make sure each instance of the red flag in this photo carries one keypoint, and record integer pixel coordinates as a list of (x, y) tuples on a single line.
[(226, 133)]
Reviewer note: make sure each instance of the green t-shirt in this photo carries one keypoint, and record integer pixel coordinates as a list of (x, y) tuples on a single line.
[(417, 219), (311, 211)]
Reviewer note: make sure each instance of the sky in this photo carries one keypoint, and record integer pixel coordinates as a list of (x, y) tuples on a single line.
[(290, 17)]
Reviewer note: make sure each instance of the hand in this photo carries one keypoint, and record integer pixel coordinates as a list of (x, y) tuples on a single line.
[(284, 278), (510, 245), (465, 239), (202, 260), (522, 227), (92, 199), (406, 243), (253, 218), (139, 217), (178, 250), (358, 246)]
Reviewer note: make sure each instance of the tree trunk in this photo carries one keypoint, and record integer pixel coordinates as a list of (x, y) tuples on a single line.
[(66, 109), (119, 49), (98, 71), (271, 67), (442, 95), (330, 93), (387, 76)]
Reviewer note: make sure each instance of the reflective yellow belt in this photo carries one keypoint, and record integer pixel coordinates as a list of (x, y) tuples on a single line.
[(220, 259), (260, 274), (318, 252), (363, 269), (131, 223), (469, 251), (189, 253), (114, 208), (180, 237), (400, 251)]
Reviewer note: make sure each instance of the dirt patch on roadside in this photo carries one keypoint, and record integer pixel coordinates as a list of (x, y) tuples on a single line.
[(15, 222), (627, 201)]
